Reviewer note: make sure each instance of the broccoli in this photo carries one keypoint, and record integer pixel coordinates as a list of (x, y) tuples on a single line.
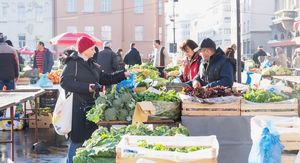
[(110, 114), (123, 113)]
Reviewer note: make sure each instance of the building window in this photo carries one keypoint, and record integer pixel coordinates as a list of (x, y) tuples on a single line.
[(139, 6), (39, 14), (160, 33), (106, 33), (244, 27), (282, 36), (106, 5), (3, 14), (248, 26), (227, 8), (248, 47), (275, 37), (244, 47), (227, 31), (160, 7), (227, 20), (22, 40), (88, 5), (71, 5), (71, 29), (21, 13), (89, 30), (297, 34), (139, 33)]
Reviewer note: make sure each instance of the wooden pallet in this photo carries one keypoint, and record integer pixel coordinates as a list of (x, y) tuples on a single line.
[(284, 108), (128, 152), (199, 109)]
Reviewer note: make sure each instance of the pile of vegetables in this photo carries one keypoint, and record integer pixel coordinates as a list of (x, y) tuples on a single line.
[(204, 93), (170, 96), (144, 71), (172, 71), (115, 105), (276, 70), (103, 142), (262, 96), (54, 76), (161, 147)]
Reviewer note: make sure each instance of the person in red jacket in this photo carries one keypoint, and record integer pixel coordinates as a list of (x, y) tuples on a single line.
[(192, 61)]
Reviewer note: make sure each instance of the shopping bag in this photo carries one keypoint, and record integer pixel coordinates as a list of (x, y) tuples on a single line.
[(62, 114)]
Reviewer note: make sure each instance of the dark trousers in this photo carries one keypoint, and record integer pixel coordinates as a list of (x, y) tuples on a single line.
[(161, 71), (10, 84)]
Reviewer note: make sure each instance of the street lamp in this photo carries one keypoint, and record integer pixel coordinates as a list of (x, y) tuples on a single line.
[(173, 46)]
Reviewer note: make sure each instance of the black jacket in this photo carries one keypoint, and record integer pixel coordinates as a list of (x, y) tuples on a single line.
[(9, 69), (107, 59), (257, 54), (133, 57), (87, 73), (219, 71)]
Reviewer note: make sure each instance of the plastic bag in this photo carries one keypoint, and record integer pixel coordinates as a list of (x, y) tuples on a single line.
[(266, 149), (44, 81), (129, 83)]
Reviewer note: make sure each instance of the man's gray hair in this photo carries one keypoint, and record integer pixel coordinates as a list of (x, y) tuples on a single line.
[(107, 44)]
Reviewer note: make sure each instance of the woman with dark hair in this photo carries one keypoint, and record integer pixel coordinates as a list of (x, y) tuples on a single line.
[(192, 61), (121, 64), (229, 53)]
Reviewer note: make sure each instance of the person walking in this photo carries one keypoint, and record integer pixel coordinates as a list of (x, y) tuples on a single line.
[(42, 58), (20, 58), (215, 69), (80, 75), (280, 59), (229, 53), (9, 65), (107, 59), (133, 56), (296, 59), (121, 64), (192, 61), (160, 57)]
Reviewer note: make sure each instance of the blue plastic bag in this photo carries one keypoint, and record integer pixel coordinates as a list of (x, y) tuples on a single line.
[(268, 148), (44, 81), (129, 83)]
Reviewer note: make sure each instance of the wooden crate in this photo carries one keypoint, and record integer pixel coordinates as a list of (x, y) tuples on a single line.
[(288, 158), (128, 151), (43, 121), (23, 81), (190, 108), (287, 127), (283, 108)]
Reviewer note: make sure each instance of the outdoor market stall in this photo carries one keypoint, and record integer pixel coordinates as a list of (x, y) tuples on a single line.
[(8, 99)]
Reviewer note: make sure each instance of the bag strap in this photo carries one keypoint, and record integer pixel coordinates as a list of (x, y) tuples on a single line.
[(75, 71)]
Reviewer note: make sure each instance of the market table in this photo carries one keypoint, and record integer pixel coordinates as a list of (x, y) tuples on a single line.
[(8, 99), (233, 134), (291, 79)]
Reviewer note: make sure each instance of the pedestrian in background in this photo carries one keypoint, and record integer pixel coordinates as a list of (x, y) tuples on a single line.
[(280, 59), (259, 55), (229, 53), (9, 65), (20, 58), (133, 56), (107, 59), (160, 57), (296, 59), (121, 64), (42, 58)]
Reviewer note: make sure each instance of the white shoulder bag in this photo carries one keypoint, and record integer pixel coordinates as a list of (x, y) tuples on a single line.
[(62, 114)]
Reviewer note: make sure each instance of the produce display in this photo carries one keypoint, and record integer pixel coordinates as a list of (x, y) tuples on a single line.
[(276, 70), (204, 93), (144, 71), (161, 147), (262, 96), (54, 76), (103, 142), (115, 105), (172, 71), (170, 96)]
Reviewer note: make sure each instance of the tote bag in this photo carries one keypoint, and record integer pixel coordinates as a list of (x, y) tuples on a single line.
[(62, 114)]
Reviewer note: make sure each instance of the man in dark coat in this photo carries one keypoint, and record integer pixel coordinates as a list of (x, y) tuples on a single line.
[(259, 53), (43, 58), (133, 57), (215, 69), (107, 59), (79, 76), (9, 65)]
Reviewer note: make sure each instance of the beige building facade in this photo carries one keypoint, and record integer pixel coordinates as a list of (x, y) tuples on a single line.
[(118, 21)]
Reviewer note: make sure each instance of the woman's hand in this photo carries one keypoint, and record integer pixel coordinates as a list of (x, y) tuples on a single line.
[(92, 88), (196, 84), (127, 74)]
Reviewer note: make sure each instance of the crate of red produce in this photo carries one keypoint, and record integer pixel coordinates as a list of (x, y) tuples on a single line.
[(167, 149), (217, 101), (262, 102)]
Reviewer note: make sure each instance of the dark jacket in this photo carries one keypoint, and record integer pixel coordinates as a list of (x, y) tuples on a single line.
[(9, 68), (219, 71), (87, 73), (121, 64), (48, 61), (257, 54), (107, 59), (233, 62), (133, 57)]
